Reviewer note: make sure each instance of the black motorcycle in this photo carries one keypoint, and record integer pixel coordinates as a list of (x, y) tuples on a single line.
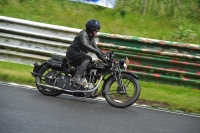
[(120, 88)]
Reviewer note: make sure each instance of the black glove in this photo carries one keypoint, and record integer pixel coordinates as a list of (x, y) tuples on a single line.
[(103, 59), (98, 53), (101, 56)]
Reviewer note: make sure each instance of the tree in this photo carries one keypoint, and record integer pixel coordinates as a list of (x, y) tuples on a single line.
[(144, 10)]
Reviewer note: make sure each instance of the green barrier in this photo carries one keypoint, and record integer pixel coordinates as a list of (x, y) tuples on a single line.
[(153, 60), (157, 60)]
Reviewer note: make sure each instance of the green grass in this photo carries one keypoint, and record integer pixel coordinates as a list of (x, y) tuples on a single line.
[(124, 19), (18, 73), (172, 97), (157, 95)]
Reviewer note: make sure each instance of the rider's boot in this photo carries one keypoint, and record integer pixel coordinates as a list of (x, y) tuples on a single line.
[(80, 70)]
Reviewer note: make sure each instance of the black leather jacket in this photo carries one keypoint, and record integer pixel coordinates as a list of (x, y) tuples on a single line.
[(83, 43)]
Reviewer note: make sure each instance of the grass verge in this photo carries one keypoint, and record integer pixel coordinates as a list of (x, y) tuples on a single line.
[(157, 95)]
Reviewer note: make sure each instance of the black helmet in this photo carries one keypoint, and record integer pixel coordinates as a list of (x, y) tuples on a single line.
[(92, 25)]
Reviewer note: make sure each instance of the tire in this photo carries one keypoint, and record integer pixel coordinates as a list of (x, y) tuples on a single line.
[(41, 79), (126, 99)]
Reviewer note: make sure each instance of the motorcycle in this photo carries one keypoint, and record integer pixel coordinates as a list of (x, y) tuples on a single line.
[(110, 80)]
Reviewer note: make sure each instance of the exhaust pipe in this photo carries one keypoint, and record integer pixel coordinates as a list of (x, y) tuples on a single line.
[(72, 91), (49, 86)]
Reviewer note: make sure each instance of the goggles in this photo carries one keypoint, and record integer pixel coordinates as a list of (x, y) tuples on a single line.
[(96, 29)]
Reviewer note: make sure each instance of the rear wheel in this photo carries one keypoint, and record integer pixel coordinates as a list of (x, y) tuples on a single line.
[(122, 99), (47, 78)]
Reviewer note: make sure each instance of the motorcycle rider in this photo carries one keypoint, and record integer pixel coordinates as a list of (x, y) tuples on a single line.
[(83, 43)]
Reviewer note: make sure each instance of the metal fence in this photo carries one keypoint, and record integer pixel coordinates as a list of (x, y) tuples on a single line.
[(153, 60)]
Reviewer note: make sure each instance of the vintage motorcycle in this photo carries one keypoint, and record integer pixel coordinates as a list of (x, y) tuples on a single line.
[(120, 88)]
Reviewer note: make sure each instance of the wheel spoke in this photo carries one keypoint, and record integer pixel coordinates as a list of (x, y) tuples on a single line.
[(111, 92), (127, 84), (122, 98)]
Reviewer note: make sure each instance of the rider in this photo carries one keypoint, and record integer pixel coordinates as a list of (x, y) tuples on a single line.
[(83, 43)]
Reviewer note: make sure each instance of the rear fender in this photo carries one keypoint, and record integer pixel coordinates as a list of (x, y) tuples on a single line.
[(36, 68)]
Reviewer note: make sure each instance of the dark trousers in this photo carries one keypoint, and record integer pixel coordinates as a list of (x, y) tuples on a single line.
[(77, 57)]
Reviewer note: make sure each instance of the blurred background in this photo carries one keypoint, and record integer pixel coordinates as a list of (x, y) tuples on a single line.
[(174, 20)]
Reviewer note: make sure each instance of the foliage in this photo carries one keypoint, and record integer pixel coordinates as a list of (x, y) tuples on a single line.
[(127, 18), (184, 34)]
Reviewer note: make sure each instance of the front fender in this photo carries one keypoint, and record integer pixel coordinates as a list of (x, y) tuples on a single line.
[(131, 73)]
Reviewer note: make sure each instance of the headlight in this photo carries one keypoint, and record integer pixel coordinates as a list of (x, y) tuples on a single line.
[(124, 63), (127, 62)]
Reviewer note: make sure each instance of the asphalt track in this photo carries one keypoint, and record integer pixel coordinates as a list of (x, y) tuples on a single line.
[(26, 110)]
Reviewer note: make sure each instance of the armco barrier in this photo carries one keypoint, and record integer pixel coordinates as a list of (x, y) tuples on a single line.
[(157, 60), (153, 60)]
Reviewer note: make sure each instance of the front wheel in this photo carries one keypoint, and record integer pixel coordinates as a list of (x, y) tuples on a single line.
[(124, 99)]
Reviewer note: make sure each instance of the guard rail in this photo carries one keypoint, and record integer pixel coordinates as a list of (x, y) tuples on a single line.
[(153, 60)]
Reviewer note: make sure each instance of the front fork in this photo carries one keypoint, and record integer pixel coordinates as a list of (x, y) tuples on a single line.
[(118, 77)]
